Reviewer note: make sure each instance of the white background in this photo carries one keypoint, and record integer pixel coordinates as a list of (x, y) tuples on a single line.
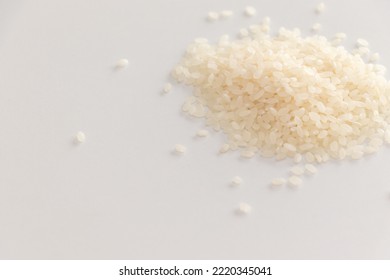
[(122, 194)]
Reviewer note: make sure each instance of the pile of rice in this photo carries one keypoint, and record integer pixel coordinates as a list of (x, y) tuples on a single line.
[(285, 95)]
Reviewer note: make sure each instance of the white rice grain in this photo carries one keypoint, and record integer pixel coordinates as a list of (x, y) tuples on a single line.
[(122, 63), (316, 27), (167, 87), (250, 11), (226, 14), (289, 147), (247, 154), (309, 157), (243, 32), (80, 137), (212, 16), (374, 57), (340, 35), (244, 209), (310, 168), (224, 148), (180, 149), (361, 42), (202, 133), (295, 181), (237, 181), (278, 182), (320, 8), (297, 170), (297, 158)]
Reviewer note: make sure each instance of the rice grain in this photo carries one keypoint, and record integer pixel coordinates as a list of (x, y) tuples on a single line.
[(250, 11), (80, 137)]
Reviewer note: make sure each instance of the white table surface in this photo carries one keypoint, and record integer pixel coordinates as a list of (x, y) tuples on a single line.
[(122, 194)]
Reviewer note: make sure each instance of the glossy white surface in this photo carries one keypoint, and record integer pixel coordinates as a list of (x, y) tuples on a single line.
[(123, 194)]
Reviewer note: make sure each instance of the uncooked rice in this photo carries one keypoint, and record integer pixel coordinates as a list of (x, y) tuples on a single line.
[(244, 32), (225, 147), (316, 27), (295, 181), (237, 181), (278, 182), (226, 14), (244, 208), (212, 16), (180, 149), (340, 35), (320, 8), (202, 133), (297, 170), (167, 87), (122, 63), (247, 153), (287, 94), (374, 57), (297, 158), (80, 137), (250, 11), (310, 168), (362, 42)]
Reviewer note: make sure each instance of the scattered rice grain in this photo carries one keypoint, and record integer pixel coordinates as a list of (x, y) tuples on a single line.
[(295, 181), (310, 168), (374, 57), (167, 87), (180, 149), (361, 42), (226, 14), (224, 148), (297, 170), (278, 182), (340, 35), (250, 11), (202, 133), (243, 32), (122, 63), (297, 158), (244, 208), (320, 8), (316, 27), (212, 16), (80, 137), (247, 154), (237, 181)]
